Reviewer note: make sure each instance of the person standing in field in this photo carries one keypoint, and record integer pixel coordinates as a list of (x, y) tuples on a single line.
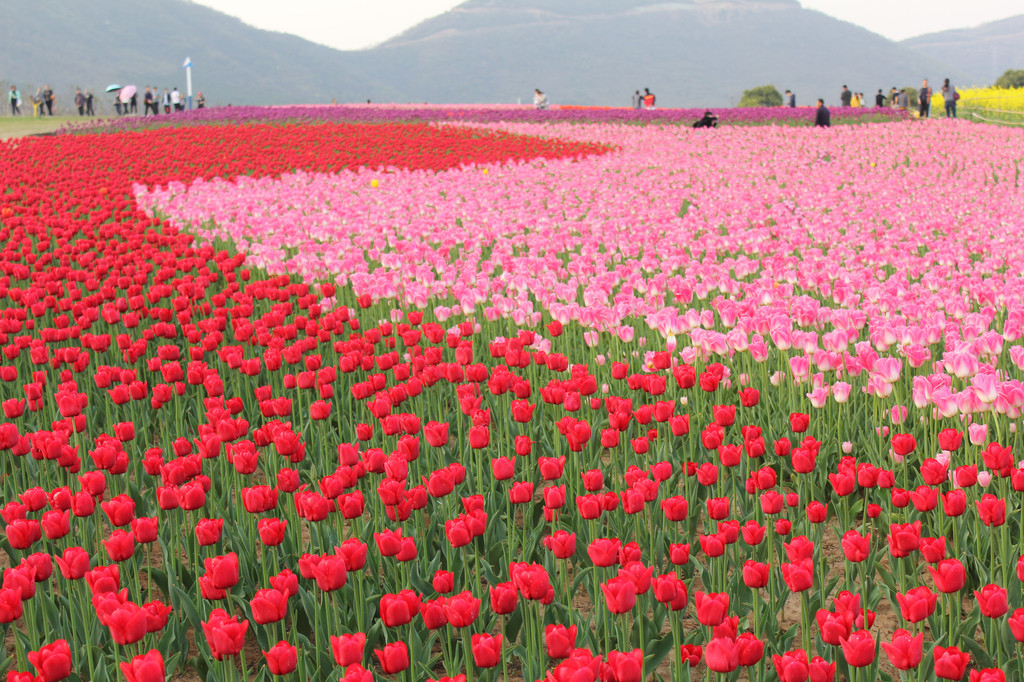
[(540, 100), (822, 117), (648, 99), (80, 102), (176, 100), (15, 98), (845, 97), (200, 101), (879, 99), (48, 99), (167, 101), (949, 97), (89, 111), (903, 100), (637, 99), (924, 99), (790, 100)]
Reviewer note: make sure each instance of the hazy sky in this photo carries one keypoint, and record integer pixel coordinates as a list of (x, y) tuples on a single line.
[(354, 24)]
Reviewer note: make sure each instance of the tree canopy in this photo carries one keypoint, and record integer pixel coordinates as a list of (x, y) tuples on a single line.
[(763, 96), (1012, 78)]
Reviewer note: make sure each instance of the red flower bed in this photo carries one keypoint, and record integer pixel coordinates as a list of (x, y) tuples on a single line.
[(124, 422)]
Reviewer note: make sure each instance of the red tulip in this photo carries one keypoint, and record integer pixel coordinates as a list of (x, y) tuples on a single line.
[(282, 658), (949, 575), (1016, 623), (691, 654), (222, 570), (991, 510), (903, 444), (462, 609), (398, 609), (917, 604), (348, 649), (504, 598), (834, 627), (721, 655), (562, 544), (859, 649), (792, 666), (992, 601), (394, 658), (120, 545), (619, 594), (755, 574), (208, 531), (626, 666), (905, 650), (224, 634), (433, 613), (711, 608), (856, 547), (443, 582), (271, 531), (52, 662), (148, 667), (269, 606), (127, 623), (487, 650), (560, 640), (330, 573), (145, 529), (950, 663), (950, 439)]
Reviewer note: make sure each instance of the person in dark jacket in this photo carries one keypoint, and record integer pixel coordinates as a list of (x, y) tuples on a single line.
[(822, 118), (879, 99), (846, 97), (924, 99), (709, 120)]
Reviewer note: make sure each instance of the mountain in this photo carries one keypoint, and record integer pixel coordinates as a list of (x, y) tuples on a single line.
[(987, 50), (691, 53), (93, 43)]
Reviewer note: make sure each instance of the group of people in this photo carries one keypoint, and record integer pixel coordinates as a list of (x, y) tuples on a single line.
[(901, 99), (42, 101), (643, 100), (153, 100), (897, 99)]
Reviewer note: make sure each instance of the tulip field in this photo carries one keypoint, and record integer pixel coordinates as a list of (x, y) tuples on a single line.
[(351, 395)]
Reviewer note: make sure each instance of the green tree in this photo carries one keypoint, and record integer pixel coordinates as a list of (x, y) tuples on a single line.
[(1012, 78), (912, 95), (763, 96)]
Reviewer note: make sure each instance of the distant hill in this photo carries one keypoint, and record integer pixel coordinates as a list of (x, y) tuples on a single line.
[(691, 53), (93, 43), (987, 50)]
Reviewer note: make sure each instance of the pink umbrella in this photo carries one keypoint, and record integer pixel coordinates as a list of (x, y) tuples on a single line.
[(127, 92)]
